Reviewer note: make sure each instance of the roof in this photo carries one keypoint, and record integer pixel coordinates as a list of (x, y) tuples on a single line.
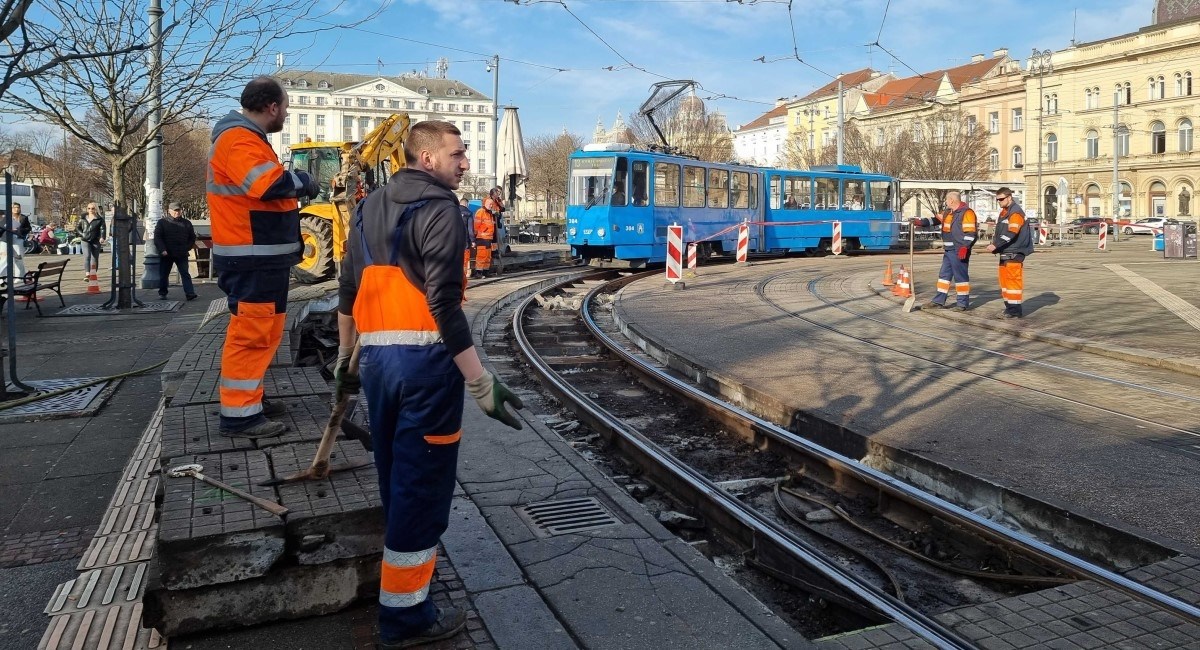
[(911, 91), (765, 118), (847, 79), (437, 86)]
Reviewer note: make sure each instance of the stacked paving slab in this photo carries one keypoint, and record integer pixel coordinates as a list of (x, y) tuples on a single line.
[(224, 562)]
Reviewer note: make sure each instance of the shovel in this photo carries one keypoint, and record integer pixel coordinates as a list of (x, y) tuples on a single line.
[(911, 302), (320, 468)]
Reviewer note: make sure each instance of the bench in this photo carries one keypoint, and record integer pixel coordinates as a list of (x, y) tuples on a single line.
[(48, 277)]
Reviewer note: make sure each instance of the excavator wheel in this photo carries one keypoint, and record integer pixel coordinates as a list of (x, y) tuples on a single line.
[(316, 262)]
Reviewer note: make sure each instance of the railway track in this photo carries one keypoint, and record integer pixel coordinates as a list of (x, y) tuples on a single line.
[(752, 515)]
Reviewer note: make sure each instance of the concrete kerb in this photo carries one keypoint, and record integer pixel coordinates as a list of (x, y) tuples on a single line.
[(1045, 516), (1162, 360)]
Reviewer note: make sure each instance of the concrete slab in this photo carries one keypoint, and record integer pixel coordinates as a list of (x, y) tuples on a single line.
[(65, 502), (85, 457), (201, 387), (24, 622), (24, 435), (517, 618), (28, 465)]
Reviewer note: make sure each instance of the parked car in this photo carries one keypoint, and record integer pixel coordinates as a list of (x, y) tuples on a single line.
[(1089, 225), (1146, 226)]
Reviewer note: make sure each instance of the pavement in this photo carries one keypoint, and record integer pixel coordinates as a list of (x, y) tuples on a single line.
[(635, 585)]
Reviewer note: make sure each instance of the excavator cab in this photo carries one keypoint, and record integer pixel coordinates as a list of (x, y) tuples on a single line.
[(322, 161)]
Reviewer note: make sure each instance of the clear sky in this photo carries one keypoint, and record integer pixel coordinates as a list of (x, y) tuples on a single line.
[(565, 64)]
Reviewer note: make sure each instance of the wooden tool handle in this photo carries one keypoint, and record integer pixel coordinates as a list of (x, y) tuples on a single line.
[(269, 506)]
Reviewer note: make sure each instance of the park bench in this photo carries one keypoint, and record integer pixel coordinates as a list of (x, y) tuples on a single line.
[(47, 277)]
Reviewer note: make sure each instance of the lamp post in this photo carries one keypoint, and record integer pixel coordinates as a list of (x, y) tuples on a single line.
[(493, 67), (1040, 65), (154, 193)]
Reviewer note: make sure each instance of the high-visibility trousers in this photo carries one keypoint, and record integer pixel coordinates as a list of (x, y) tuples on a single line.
[(1012, 286), (953, 273), (483, 254), (258, 308), (414, 404)]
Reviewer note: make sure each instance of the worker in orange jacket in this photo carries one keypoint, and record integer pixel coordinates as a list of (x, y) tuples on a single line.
[(255, 216), (958, 224), (485, 231)]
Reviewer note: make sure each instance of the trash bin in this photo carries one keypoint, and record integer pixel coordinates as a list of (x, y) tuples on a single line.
[(203, 248)]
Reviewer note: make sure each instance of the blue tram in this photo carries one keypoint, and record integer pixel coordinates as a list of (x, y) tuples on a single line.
[(620, 201)]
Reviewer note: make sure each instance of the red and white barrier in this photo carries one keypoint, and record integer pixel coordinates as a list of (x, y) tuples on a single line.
[(1043, 235), (1102, 243), (837, 238), (743, 249), (691, 259), (674, 254), (93, 280)]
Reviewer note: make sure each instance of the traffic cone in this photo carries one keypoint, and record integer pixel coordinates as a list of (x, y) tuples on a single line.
[(905, 290), (887, 275), (899, 279), (93, 281)]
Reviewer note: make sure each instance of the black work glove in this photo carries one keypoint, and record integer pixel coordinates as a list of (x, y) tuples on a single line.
[(311, 188), (491, 395)]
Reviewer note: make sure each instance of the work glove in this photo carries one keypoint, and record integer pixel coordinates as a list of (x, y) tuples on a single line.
[(491, 395), (311, 188), (962, 253), (345, 381)]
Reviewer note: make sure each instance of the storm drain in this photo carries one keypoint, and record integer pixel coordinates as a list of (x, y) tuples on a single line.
[(567, 516), (155, 306), (76, 400)]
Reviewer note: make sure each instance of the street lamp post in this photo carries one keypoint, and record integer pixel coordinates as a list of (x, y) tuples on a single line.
[(493, 67), (154, 193), (1040, 65)]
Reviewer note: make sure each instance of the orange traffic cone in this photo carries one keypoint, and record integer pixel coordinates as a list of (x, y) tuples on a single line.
[(93, 281), (896, 284), (905, 286), (887, 275)]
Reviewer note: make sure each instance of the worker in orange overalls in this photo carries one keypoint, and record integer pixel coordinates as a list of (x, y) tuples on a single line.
[(958, 235), (469, 227), (485, 231), (1012, 242), (400, 297), (256, 241)]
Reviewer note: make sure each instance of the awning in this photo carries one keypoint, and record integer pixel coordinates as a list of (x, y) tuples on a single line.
[(510, 163)]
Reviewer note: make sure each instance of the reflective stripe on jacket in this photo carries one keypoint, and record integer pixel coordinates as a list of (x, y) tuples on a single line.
[(958, 227), (1013, 235), (485, 224), (251, 200)]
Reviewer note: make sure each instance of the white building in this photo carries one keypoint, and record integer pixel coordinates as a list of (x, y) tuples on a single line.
[(335, 107), (761, 142)]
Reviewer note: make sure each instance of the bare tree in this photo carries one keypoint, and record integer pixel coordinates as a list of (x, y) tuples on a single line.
[(689, 127), (797, 154), (547, 158), (945, 146), (185, 162), (876, 150), (209, 48)]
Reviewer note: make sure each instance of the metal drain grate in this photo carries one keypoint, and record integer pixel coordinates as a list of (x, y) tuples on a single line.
[(567, 516), (150, 307), (75, 402)]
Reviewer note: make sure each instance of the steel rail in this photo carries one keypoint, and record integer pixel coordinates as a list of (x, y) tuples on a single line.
[(762, 529), (1036, 548)]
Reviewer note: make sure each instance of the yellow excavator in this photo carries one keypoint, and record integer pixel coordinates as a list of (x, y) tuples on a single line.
[(346, 172)]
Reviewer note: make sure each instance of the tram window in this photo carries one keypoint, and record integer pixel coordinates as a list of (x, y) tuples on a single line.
[(693, 187), (620, 178), (879, 195), (753, 191), (718, 188), (740, 185), (640, 169), (827, 194), (799, 191), (590, 180), (666, 185), (853, 191), (776, 184)]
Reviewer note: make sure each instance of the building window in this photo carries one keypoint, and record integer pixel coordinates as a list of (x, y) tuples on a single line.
[(1122, 140), (287, 120), (482, 146), (364, 125), (453, 108), (285, 138), (1051, 103), (321, 101), (362, 102), (303, 99), (1158, 137), (394, 103), (482, 165), (482, 127), (303, 137), (437, 106), (1018, 119), (939, 133), (378, 103), (994, 122), (1051, 148), (302, 83), (451, 92), (1018, 158), (1187, 84), (410, 105), (1088, 98), (485, 109), (468, 108), (348, 121), (880, 136), (1093, 144), (302, 119), (320, 135), (971, 124), (348, 133), (1185, 135), (323, 84), (1162, 87), (1128, 90), (320, 120), (994, 160)]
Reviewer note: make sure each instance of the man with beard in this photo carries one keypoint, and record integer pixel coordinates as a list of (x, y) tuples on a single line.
[(252, 201)]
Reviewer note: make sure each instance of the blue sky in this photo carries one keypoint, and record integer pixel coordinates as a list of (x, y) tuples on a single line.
[(558, 72)]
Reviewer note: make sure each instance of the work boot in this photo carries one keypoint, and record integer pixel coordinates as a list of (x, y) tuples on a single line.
[(450, 621), (958, 308), (264, 429), (273, 409), (933, 305)]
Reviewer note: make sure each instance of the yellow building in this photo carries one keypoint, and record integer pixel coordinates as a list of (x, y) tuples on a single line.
[(813, 119)]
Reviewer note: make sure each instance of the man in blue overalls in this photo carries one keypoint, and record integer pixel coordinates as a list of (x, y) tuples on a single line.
[(958, 235)]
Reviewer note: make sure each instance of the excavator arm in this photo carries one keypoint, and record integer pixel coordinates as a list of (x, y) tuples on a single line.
[(365, 164)]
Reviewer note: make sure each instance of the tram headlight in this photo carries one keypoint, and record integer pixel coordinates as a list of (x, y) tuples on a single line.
[(572, 232), (601, 232)]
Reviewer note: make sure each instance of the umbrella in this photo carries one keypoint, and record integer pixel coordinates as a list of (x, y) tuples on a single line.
[(511, 167)]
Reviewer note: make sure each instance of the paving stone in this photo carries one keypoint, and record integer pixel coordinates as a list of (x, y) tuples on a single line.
[(337, 517), (1085, 640), (195, 429), (202, 386), (207, 536), (994, 643)]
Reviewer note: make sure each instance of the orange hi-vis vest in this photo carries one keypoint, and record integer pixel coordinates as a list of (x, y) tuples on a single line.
[(249, 232), (485, 224)]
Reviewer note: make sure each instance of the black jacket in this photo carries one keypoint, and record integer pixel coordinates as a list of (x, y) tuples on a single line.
[(91, 231), (1013, 239), (430, 252), (176, 236)]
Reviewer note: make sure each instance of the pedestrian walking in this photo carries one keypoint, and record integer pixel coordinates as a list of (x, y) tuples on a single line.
[(1011, 243), (20, 230), (92, 233), (255, 218), (174, 237), (958, 235), (400, 297)]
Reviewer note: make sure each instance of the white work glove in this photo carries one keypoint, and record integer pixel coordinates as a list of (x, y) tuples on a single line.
[(491, 395)]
